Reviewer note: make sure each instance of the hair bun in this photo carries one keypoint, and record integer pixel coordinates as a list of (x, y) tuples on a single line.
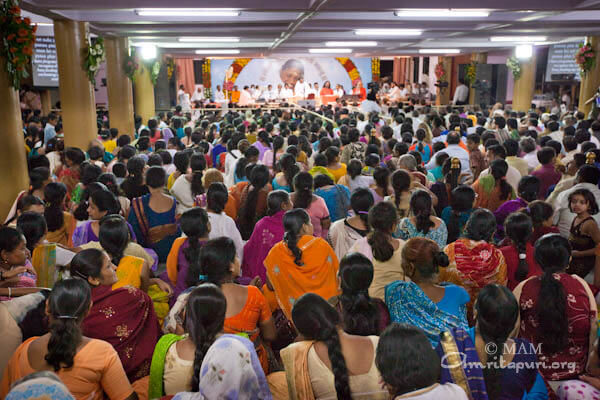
[(441, 259)]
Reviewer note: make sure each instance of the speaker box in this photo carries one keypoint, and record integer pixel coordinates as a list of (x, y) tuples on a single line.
[(490, 84)]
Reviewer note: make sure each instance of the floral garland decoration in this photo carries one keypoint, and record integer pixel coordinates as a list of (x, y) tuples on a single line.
[(375, 69), (154, 69), (93, 56), (18, 37), (351, 69), (440, 72), (514, 65), (585, 58), (236, 67), (471, 73), (131, 65), (206, 78), (170, 61)]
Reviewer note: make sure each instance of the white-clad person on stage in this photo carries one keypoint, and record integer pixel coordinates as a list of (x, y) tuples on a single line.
[(301, 88), (286, 93)]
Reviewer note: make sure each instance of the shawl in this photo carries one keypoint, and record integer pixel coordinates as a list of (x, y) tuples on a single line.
[(317, 275), (295, 361), (126, 319), (407, 303), (63, 235), (44, 387), (461, 364), (478, 262), (230, 371), (267, 233), (157, 368), (178, 266), (129, 272)]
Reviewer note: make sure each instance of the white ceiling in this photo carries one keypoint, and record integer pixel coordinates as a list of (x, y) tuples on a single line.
[(283, 27)]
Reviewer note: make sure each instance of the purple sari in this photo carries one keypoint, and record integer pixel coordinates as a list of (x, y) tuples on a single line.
[(183, 267), (267, 232)]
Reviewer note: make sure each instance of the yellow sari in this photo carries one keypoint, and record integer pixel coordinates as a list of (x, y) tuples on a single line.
[(43, 260)]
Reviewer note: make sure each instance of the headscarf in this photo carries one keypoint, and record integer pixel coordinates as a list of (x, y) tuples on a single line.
[(43, 387), (230, 371)]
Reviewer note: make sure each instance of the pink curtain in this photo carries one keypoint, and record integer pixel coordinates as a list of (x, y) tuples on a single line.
[(400, 66), (185, 74)]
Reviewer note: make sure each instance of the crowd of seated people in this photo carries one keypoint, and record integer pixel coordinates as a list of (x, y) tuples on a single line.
[(423, 253)]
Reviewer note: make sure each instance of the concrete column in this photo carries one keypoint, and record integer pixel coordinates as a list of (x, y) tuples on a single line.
[(13, 160), (480, 58), (78, 104), (120, 95), (591, 80), (443, 97), (524, 86), (144, 94), (46, 101)]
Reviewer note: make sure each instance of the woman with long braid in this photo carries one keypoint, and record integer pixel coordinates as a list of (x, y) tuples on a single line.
[(329, 363)]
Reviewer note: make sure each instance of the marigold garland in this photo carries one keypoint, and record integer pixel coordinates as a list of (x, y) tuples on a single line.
[(471, 73), (18, 37), (375, 69), (170, 61), (585, 58), (351, 69), (206, 78), (440, 72)]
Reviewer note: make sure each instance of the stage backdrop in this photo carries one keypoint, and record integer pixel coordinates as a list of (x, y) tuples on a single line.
[(275, 71)]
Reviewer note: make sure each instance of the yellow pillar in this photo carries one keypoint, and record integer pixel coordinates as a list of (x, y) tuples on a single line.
[(524, 86), (144, 94), (13, 160), (46, 101), (591, 80), (479, 58), (443, 96), (120, 95), (78, 105)]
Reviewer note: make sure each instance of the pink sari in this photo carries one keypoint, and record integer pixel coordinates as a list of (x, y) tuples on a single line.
[(267, 232)]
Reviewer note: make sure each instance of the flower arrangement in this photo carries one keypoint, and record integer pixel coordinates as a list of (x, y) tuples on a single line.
[(16, 46), (514, 65), (585, 58), (170, 61), (471, 73), (131, 65), (93, 56), (375, 69), (206, 72), (440, 72), (154, 69)]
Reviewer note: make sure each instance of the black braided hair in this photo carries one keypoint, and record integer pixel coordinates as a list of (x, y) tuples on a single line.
[(293, 221), (519, 228), (194, 223), (382, 220)]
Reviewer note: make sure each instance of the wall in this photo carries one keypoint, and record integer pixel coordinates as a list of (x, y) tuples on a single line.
[(500, 57)]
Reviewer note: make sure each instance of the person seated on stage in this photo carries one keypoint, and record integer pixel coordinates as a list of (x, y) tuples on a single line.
[(326, 90), (339, 91), (360, 91), (245, 98)]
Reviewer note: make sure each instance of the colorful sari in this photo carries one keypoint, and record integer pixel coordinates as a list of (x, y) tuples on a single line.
[(488, 194), (70, 177), (64, 234), (177, 267), (157, 368), (124, 318), (43, 387), (267, 233), (84, 233), (43, 260), (408, 303), (155, 230), (290, 281), (473, 265)]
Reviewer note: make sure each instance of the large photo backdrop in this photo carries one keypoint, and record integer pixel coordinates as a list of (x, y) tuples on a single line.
[(275, 71)]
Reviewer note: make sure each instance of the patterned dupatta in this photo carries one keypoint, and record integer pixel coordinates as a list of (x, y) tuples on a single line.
[(153, 234), (43, 260), (126, 319)]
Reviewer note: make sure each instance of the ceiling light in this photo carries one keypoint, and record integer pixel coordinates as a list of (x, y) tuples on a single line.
[(187, 12), (330, 50), (148, 51), (219, 51), (524, 51), (388, 32), (353, 44), (518, 39), (439, 51), (42, 23), (209, 39), (441, 13)]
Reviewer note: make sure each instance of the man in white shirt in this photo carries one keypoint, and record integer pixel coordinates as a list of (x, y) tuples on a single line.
[(497, 152), (528, 146), (395, 94), (286, 93), (339, 91), (461, 94), (180, 94), (310, 91), (278, 91), (404, 92), (587, 178), (220, 96), (257, 93), (198, 94), (453, 150), (301, 89), (245, 97), (268, 94)]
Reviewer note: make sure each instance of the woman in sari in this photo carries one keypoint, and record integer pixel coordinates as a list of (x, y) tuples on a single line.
[(15, 270), (360, 314), (464, 350), (422, 223), (45, 384), (71, 171), (558, 312), (186, 250), (123, 317), (61, 224), (153, 216), (329, 363), (382, 249), (251, 199), (314, 205), (422, 302), (493, 190), (222, 224), (266, 234), (345, 232), (230, 370), (89, 368), (337, 197), (177, 359), (247, 308), (188, 186), (300, 263), (474, 261)]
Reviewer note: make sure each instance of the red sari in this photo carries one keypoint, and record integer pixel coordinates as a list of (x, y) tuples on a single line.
[(125, 318), (582, 320)]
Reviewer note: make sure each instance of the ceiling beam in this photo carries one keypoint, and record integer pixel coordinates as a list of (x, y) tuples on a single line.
[(315, 5)]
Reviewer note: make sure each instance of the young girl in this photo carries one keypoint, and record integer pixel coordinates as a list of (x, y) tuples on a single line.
[(585, 234), (541, 214)]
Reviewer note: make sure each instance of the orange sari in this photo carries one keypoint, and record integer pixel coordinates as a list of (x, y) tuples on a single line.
[(290, 281), (63, 235)]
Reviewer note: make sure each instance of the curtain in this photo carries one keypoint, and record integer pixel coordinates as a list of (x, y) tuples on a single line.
[(400, 69), (185, 74)]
